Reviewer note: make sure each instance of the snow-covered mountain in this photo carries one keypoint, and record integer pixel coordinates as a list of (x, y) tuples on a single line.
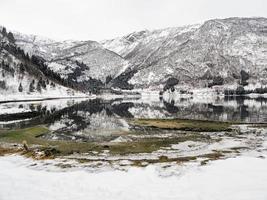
[(78, 61), (228, 52), (202, 55), (21, 77)]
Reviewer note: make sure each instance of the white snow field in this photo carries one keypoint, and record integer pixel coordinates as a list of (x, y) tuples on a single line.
[(241, 178)]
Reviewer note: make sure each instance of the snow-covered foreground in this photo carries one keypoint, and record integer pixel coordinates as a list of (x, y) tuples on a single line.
[(235, 178)]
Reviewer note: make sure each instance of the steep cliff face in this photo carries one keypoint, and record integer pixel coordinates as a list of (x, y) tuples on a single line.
[(197, 55)]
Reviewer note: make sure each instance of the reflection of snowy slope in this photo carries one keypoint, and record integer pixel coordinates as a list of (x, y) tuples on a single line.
[(49, 105), (92, 118), (82, 124), (32, 112), (146, 111), (221, 109), (104, 122)]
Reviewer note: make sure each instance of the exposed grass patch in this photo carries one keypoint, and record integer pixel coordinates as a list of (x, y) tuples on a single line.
[(184, 124), (145, 145), (28, 134), (52, 148)]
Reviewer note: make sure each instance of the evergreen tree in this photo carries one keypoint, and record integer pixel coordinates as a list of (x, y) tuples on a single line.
[(244, 77), (27, 57), (22, 68), (39, 86), (52, 84), (43, 84), (2, 84), (170, 83), (11, 38), (32, 88), (20, 88), (4, 31), (108, 79)]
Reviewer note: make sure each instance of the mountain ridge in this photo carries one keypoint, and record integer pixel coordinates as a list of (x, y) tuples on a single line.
[(205, 46), (217, 52)]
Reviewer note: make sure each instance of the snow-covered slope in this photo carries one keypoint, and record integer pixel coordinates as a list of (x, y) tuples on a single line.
[(20, 78), (197, 54), (81, 59)]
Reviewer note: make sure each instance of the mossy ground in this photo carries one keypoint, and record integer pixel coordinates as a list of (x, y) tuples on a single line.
[(32, 137), (143, 145), (184, 124), (28, 134)]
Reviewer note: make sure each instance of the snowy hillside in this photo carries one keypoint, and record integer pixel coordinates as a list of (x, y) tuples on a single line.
[(20, 78), (200, 55), (84, 60), (225, 55)]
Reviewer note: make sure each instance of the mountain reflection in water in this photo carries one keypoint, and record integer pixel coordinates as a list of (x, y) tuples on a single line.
[(76, 117)]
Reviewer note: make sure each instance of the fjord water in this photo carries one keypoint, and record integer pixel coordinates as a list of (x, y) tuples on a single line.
[(100, 116)]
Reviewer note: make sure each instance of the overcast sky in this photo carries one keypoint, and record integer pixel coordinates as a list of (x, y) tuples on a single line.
[(104, 19)]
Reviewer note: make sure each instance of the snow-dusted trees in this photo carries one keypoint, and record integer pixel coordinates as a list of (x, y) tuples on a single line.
[(39, 62)]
